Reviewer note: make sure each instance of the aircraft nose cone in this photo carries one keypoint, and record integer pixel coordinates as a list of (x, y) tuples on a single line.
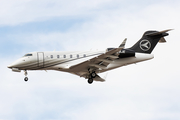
[(10, 66), (13, 65), (18, 63)]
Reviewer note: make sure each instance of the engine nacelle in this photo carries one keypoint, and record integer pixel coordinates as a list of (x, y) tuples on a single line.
[(124, 53), (108, 49), (16, 70)]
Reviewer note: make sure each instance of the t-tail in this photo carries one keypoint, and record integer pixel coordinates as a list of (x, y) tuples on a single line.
[(149, 40)]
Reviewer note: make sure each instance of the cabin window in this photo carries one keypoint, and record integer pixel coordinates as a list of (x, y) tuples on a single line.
[(84, 55), (57, 56), (70, 56), (77, 56), (64, 56), (51, 56)]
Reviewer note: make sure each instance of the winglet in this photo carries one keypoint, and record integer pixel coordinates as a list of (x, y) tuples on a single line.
[(123, 43)]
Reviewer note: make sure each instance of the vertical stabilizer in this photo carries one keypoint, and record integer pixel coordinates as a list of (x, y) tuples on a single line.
[(149, 40)]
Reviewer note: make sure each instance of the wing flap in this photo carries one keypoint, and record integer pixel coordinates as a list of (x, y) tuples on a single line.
[(98, 78), (112, 56), (105, 60), (98, 66)]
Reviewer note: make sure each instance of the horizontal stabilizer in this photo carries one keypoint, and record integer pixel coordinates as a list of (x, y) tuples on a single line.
[(158, 33)]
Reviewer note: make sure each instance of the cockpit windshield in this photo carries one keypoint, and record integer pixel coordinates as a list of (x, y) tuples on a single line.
[(27, 55)]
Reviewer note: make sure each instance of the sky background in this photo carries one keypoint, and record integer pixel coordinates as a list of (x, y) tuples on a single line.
[(144, 91)]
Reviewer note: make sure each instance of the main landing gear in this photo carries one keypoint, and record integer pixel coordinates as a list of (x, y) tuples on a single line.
[(90, 80), (91, 76), (26, 78)]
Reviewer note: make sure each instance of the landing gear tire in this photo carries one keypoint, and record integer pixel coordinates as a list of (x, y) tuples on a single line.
[(90, 80), (93, 74), (26, 79)]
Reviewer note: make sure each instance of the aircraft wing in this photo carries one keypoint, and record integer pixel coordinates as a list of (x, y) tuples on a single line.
[(103, 58), (98, 63)]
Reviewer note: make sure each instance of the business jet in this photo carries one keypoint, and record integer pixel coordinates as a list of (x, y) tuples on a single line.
[(88, 64)]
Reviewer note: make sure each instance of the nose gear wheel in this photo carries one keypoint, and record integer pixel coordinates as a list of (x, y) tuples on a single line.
[(26, 79)]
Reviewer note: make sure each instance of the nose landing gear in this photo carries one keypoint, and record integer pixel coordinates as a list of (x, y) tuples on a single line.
[(26, 78)]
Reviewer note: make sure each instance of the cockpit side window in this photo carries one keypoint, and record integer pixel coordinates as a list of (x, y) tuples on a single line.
[(27, 55)]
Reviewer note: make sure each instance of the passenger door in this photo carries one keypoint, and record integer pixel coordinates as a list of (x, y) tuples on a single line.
[(40, 59)]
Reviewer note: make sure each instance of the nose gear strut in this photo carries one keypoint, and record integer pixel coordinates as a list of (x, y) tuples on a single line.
[(25, 73)]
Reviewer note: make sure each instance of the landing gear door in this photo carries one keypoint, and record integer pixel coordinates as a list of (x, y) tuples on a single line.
[(40, 59)]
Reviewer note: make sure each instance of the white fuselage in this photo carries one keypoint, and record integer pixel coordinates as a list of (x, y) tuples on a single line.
[(62, 61)]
